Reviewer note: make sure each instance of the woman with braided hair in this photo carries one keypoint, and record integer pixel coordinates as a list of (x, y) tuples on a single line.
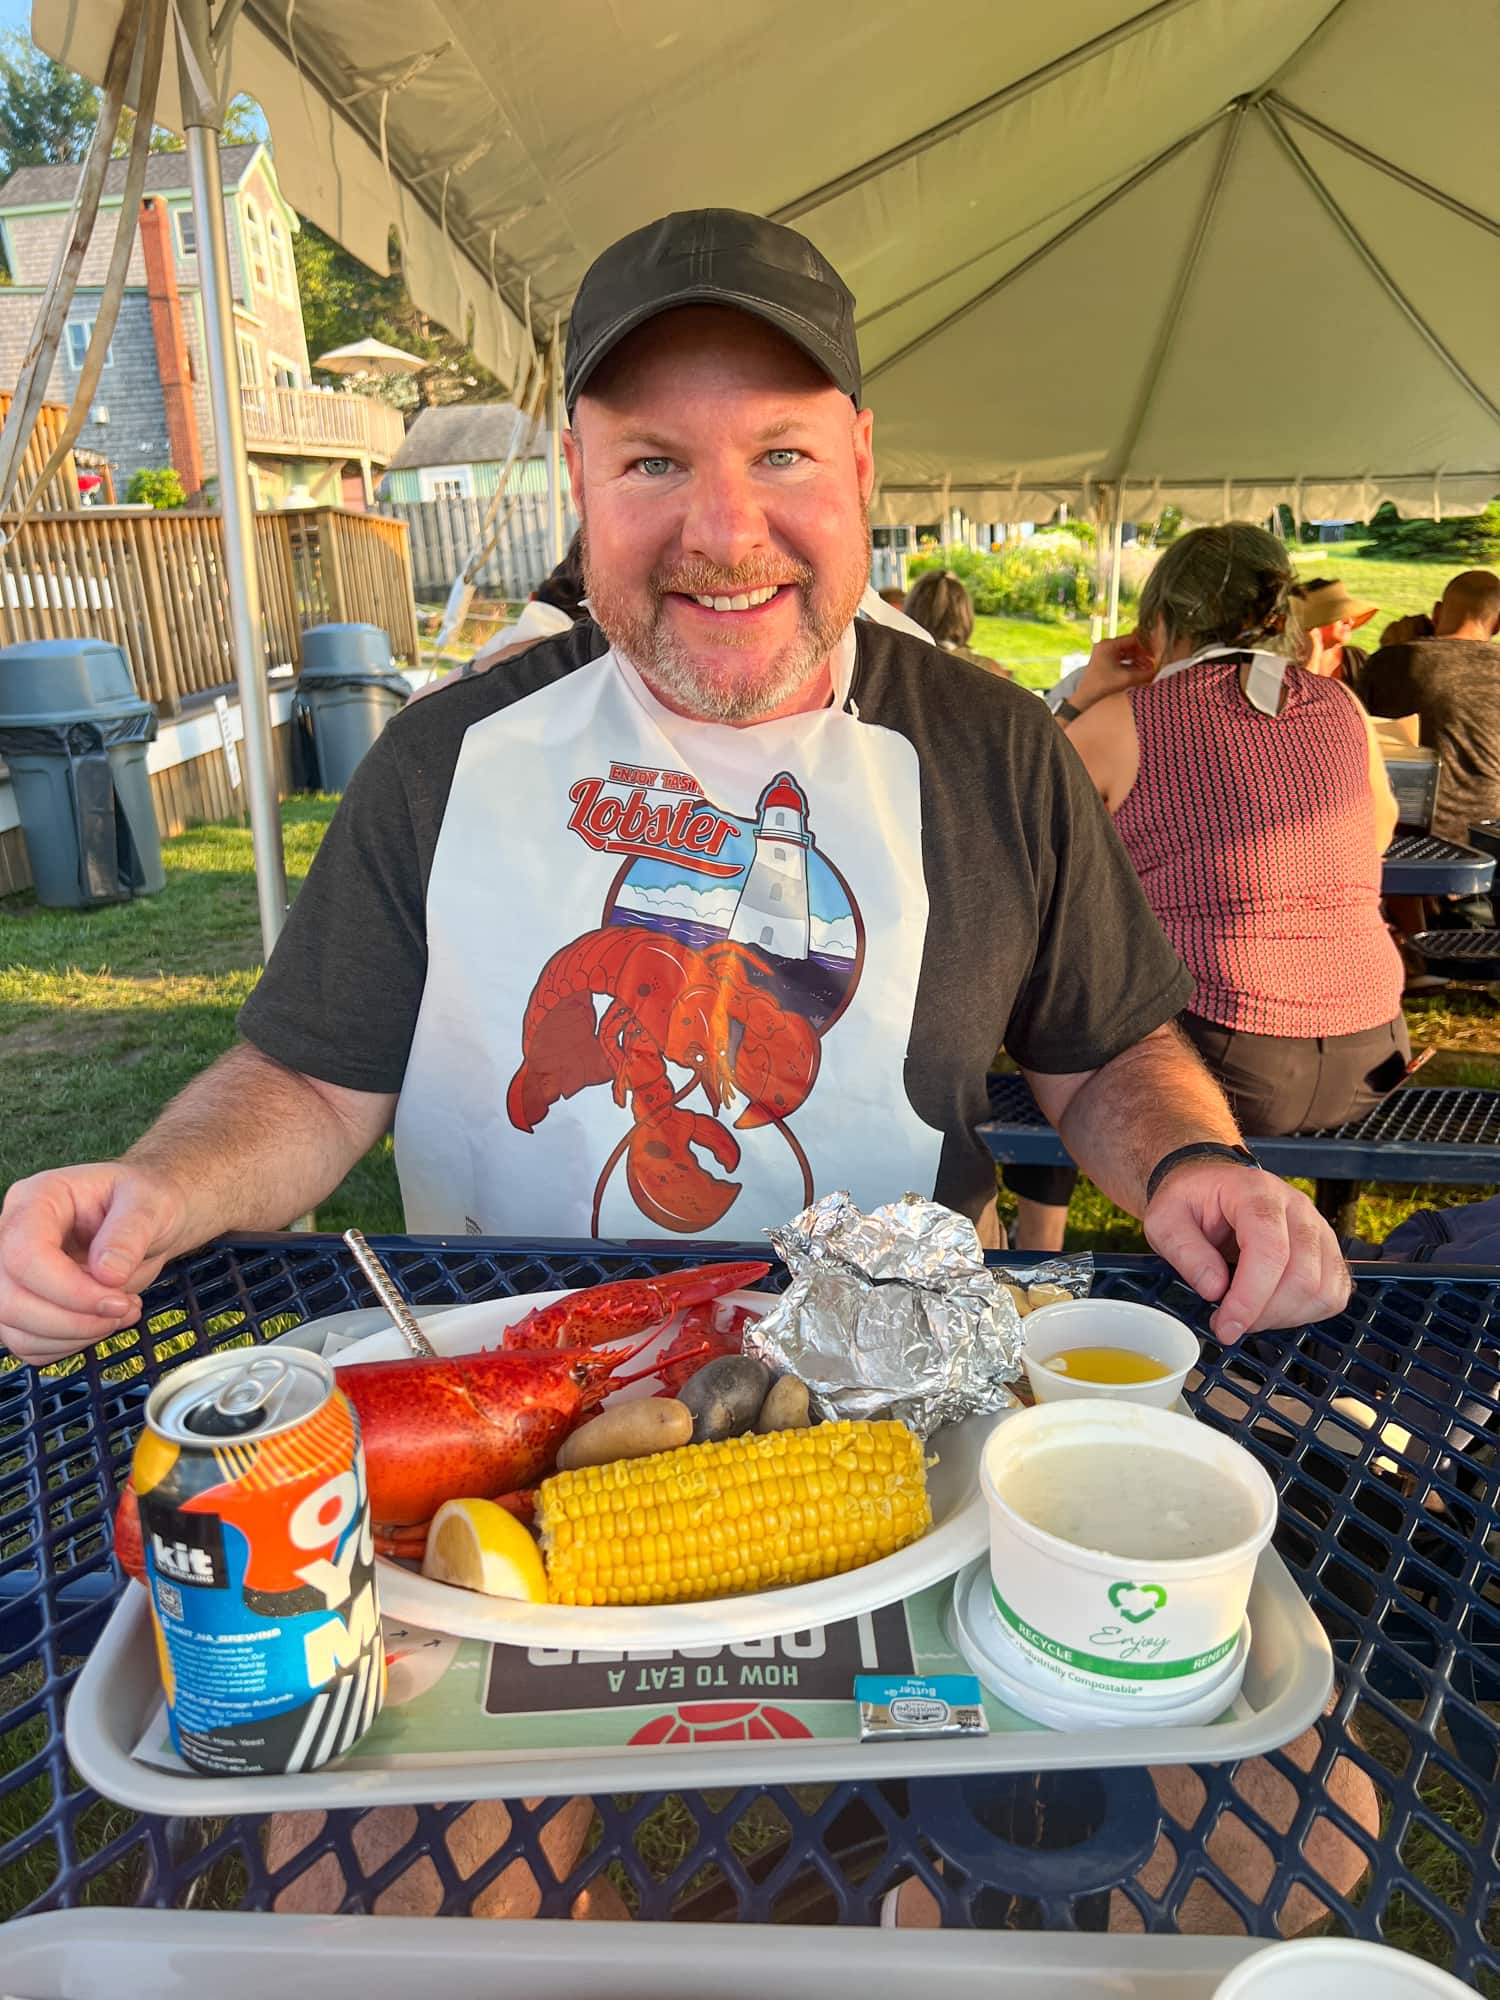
[(1251, 797)]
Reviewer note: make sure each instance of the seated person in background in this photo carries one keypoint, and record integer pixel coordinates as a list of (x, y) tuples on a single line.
[(940, 603), (556, 605), (1451, 683), (1254, 804), (1329, 616)]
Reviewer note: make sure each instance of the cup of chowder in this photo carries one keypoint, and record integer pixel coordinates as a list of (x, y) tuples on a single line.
[(1123, 1542)]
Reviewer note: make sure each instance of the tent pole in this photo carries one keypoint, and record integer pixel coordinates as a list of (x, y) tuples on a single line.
[(203, 119), (1115, 544), (555, 454)]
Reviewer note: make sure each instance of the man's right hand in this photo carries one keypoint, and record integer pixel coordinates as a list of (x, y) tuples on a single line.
[(78, 1245)]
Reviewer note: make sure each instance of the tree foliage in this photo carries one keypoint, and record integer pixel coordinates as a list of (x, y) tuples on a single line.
[(344, 301), (47, 114), (1470, 538)]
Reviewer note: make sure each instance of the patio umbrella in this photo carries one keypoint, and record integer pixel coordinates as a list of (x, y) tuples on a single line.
[(370, 357)]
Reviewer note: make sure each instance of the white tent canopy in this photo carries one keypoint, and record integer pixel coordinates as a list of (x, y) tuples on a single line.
[(1218, 252)]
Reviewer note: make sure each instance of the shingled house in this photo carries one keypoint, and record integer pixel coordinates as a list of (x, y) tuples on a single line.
[(151, 406)]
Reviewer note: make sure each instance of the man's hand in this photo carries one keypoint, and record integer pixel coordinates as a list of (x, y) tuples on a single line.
[(77, 1248), (1288, 1269)]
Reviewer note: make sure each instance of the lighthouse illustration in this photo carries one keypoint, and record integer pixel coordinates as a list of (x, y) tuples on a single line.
[(771, 913)]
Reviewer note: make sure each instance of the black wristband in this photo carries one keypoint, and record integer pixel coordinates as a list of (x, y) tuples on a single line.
[(1204, 1149), (1066, 712)]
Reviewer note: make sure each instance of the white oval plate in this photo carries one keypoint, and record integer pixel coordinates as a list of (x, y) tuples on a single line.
[(959, 1533)]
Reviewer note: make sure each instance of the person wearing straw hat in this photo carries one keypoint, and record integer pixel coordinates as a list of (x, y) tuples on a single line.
[(1328, 616)]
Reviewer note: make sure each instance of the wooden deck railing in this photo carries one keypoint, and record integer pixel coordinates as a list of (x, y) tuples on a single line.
[(62, 496), (153, 583), (322, 420)]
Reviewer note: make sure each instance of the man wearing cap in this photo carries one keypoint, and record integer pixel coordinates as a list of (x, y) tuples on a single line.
[(1330, 617), (707, 907)]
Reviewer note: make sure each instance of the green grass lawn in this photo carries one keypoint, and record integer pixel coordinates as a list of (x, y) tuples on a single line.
[(106, 1014), (1032, 648), (1397, 587)]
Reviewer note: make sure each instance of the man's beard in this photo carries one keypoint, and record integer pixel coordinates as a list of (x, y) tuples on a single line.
[(680, 673)]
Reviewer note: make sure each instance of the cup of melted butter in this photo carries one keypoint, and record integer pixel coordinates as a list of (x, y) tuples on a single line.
[(1110, 1348)]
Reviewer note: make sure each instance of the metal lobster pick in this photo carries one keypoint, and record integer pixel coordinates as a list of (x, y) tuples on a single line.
[(384, 1287)]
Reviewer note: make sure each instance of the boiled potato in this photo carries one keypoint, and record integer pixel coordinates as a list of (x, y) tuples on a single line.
[(725, 1397), (787, 1406), (630, 1430)]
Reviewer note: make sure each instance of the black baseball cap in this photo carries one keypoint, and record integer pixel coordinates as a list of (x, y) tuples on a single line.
[(714, 257)]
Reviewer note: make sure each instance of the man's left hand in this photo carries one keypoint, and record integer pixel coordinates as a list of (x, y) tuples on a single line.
[(1288, 1270)]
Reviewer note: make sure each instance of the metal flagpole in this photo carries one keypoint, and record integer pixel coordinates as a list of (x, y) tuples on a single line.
[(203, 115)]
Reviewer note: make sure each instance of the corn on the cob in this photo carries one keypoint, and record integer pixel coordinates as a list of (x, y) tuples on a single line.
[(748, 1514)]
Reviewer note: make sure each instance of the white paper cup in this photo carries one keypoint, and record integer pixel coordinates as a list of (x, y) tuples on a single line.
[(1120, 1626), (1318, 1968), (1107, 1323)]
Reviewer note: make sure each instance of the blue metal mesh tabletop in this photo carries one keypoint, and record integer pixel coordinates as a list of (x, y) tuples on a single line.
[(1442, 1133), (1386, 1817)]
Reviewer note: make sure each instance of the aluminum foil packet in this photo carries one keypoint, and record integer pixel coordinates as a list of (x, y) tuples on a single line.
[(896, 1314)]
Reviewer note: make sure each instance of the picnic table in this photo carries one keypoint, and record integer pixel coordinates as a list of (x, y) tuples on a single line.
[(1445, 1133), (1388, 1534), (1419, 864)]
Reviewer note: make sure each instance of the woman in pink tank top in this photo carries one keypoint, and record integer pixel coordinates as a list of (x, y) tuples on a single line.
[(1252, 799)]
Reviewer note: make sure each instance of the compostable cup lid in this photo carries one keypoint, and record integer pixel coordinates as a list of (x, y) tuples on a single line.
[(1314, 1968)]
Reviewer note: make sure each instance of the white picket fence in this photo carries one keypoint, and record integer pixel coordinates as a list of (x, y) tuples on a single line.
[(443, 531)]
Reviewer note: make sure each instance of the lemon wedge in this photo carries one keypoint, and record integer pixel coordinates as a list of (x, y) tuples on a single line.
[(479, 1546)]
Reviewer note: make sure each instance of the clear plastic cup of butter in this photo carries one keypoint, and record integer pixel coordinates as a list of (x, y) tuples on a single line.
[(1109, 1348)]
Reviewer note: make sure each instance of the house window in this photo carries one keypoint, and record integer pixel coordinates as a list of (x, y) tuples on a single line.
[(779, 852), (255, 248), (445, 482), (285, 374), (187, 232), (80, 333), (281, 264), (250, 375), (775, 892)]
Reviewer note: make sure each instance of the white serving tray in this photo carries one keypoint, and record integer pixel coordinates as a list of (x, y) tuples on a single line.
[(118, 1694), (184, 1955), (959, 1531)]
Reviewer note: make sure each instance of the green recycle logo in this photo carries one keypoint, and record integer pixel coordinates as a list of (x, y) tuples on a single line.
[(1149, 1595)]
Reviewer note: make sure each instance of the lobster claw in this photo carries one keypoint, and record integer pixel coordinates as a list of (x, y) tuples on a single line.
[(776, 1071), (703, 1283), (667, 1182)]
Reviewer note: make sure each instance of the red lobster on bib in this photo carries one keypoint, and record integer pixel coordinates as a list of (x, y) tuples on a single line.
[(669, 1006)]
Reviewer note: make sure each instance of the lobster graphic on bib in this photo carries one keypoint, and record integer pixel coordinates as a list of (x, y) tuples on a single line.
[(703, 995)]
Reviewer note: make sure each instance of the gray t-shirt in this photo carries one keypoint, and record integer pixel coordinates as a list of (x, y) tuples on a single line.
[(1453, 687), (1037, 936)]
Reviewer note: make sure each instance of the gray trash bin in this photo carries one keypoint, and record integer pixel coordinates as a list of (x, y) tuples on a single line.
[(74, 732), (349, 691)]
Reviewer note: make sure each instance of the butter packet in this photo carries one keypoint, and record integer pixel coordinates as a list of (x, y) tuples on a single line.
[(908, 1707)]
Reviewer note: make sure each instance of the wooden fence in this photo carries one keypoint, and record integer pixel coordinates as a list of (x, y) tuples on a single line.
[(154, 584), (443, 531), (62, 495)]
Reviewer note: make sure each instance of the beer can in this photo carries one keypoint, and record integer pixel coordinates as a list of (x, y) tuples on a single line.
[(255, 1520)]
